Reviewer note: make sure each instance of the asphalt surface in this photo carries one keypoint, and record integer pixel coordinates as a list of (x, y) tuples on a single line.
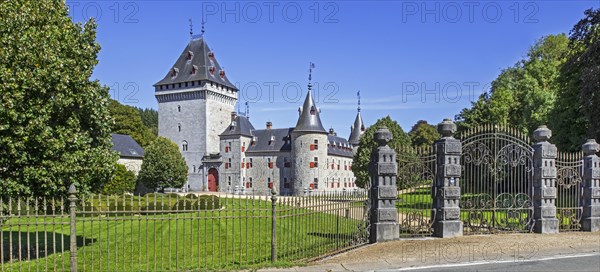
[(584, 262)]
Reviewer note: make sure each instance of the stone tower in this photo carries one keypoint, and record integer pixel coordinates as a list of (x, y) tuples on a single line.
[(309, 147), (195, 101)]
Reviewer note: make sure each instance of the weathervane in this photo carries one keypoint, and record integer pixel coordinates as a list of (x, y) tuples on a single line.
[(202, 30), (358, 95), (247, 110), (191, 29), (310, 68)]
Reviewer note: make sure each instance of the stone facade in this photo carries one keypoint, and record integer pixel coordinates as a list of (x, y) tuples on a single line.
[(132, 164)]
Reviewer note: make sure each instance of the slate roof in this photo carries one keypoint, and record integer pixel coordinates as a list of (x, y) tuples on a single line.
[(309, 120), (241, 126), (335, 143), (281, 143), (356, 130), (201, 60), (126, 146)]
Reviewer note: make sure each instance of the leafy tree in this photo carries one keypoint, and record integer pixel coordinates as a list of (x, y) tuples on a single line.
[(522, 95), (129, 121), (54, 121), (423, 134), (123, 182), (360, 164), (577, 114), (163, 165)]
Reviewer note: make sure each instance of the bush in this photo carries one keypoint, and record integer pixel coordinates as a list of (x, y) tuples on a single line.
[(123, 182), (208, 202)]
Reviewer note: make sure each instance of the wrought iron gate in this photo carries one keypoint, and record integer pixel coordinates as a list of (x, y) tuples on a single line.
[(496, 186), (416, 173), (569, 190)]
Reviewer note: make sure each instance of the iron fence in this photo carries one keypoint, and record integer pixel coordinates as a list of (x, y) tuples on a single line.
[(175, 232), (569, 187)]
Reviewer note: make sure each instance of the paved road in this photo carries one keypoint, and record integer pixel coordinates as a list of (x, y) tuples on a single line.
[(584, 262)]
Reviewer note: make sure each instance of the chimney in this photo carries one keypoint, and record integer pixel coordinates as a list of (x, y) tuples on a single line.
[(269, 125), (233, 116)]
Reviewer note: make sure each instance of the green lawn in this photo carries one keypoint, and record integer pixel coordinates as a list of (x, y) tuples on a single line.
[(234, 237)]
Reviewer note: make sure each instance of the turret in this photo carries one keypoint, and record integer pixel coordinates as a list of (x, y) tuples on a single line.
[(309, 146), (357, 129)]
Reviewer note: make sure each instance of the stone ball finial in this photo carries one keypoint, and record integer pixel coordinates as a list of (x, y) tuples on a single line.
[(72, 189), (590, 147), (542, 134), (383, 136), (446, 128)]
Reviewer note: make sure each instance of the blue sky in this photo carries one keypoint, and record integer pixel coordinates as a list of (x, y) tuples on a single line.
[(411, 60)]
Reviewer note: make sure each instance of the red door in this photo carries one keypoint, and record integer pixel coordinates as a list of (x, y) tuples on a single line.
[(213, 180)]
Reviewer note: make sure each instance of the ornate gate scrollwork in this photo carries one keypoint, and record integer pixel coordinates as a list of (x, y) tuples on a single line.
[(496, 188)]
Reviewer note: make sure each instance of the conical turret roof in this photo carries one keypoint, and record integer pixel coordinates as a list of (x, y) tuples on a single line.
[(356, 130), (309, 120)]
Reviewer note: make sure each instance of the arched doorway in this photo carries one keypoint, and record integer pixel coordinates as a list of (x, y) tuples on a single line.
[(213, 180)]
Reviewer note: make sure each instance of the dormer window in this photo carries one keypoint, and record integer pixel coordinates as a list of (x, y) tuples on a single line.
[(313, 110), (174, 72), (211, 56), (194, 70), (212, 70), (190, 55), (222, 73)]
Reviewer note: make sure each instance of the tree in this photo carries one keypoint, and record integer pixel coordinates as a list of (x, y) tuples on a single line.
[(54, 121), (360, 164), (163, 165), (524, 94), (577, 115), (123, 182), (423, 134), (150, 119), (128, 121)]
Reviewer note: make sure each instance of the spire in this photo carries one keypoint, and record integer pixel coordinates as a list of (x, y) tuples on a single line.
[(247, 110), (202, 30), (191, 29), (309, 120), (356, 130), (358, 95)]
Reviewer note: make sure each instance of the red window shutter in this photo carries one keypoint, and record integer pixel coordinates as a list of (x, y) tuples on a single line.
[(345, 167), (226, 166), (338, 185), (243, 149), (312, 147), (332, 185), (242, 165), (312, 185), (338, 167), (271, 165), (247, 165), (270, 185), (332, 166), (312, 164), (247, 185)]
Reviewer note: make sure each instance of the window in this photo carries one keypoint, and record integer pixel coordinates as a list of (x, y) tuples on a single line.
[(229, 181), (184, 146), (316, 144), (178, 108), (243, 147), (315, 184), (269, 183), (314, 163), (286, 162), (249, 165), (269, 163), (194, 169), (313, 110), (179, 127), (286, 184), (243, 163), (249, 183)]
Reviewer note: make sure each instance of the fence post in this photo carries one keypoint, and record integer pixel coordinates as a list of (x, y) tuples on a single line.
[(73, 236), (383, 171), (544, 182), (446, 190), (591, 187), (273, 226)]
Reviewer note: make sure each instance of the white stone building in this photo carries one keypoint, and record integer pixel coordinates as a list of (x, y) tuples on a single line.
[(131, 154), (225, 152)]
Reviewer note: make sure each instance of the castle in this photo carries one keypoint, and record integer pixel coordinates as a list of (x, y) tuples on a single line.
[(226, 153)]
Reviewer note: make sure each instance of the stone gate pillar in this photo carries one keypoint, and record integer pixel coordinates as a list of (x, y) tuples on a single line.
[(383, 171), (446, 190), (544, 182), (591, 187)]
